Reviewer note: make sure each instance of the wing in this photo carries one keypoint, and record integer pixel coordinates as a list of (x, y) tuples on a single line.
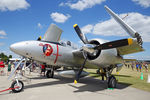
[(133, 48), (52, 34)]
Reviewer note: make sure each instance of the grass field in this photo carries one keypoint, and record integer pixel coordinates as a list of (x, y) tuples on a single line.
[(127, 76)]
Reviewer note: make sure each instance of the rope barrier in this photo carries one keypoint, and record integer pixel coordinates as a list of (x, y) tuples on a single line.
[(9, 89)]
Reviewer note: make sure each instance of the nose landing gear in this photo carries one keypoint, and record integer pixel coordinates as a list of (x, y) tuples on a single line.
[(17, 85)]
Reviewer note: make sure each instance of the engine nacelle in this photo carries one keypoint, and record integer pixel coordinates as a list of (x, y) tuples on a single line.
[(71, 73), (103, 57), (96, 53)]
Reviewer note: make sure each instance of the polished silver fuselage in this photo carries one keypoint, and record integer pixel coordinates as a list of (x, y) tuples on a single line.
[(64, 55)]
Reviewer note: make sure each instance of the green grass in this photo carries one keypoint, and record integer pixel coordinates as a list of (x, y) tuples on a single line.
[(127, 76)]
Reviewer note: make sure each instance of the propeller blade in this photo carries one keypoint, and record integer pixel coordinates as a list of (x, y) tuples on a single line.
[(12, 73), (80, 34), (124, 25), (80, 71), (89, 48), (39, 38), (115, 44)]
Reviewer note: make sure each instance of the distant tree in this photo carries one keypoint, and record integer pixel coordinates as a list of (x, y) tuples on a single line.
[(4, 57), (10, 56)]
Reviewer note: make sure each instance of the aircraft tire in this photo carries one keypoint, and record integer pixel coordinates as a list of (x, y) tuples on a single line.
[(112, 82), (50, 74), (14, 84)]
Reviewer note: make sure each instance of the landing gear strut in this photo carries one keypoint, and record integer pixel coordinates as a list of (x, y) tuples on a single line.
[(50, 73), (111, 80)]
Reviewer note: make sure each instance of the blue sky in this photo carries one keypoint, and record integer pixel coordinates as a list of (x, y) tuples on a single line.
[(22, 20)]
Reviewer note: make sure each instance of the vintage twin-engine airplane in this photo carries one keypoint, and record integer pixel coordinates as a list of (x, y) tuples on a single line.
[(95, 53)]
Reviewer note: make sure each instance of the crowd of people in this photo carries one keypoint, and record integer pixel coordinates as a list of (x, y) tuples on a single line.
[(139, 66), (6, 68)]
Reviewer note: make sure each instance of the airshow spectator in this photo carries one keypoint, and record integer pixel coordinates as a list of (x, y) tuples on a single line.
[(15, 65), (146, 66), (9, 68), (132, 66), (2, 65), (43, 69), (140, 66), (137, 66), (21, 68)]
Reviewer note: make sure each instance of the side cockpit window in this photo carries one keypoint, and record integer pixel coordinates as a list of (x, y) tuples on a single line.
[(68, 43)]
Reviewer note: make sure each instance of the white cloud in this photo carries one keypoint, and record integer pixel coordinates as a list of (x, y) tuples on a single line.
[(82, 4), (13, 5), (2, 37), (39, 25), (143, 3), (87, 29), (59, 17), (138, 21), (2, 32), (1, 44)]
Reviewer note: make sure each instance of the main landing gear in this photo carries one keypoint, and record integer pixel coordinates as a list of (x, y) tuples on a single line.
[(50, 73), (111, 80)]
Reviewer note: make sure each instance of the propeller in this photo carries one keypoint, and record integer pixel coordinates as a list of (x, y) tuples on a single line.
[(91, 48), (13, 72), (107, 45)]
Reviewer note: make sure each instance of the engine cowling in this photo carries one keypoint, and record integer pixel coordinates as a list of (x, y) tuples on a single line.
[(96, 53), (102, 57)]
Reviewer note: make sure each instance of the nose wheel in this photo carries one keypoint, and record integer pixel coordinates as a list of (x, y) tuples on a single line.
[(17, 86)]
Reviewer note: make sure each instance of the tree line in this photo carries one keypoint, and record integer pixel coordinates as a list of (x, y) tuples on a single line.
[(4, 57)]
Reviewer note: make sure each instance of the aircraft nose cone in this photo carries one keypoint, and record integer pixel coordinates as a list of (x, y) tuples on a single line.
[(17, 48), (13, 47)]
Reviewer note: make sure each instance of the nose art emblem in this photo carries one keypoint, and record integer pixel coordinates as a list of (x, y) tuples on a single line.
[(47, 49)]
